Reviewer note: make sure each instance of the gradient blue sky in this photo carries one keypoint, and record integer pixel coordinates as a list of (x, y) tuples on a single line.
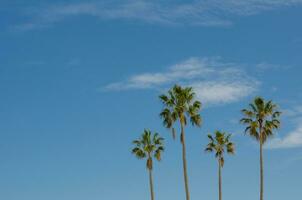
[(80, 79)]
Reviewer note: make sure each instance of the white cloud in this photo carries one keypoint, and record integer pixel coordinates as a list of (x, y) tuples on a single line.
[(214, 81), (294, 138), (199, 12), (291, 140), (263, 66), (147, 80), (222, 92)]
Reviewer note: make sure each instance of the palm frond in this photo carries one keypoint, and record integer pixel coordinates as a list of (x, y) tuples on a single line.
[(263, 116), (180, 105), (248, 113), (196, 120), (219, 143), (147, 146)]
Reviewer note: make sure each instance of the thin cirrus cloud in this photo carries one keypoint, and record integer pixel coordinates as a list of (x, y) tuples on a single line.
[(294, 138), (291, 140), (214, 81), (196, 13)]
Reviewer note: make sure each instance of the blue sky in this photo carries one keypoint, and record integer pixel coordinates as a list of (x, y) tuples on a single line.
[(79, 80)]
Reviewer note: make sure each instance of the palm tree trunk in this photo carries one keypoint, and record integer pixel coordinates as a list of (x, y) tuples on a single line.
[(261, 159), (151, 184), (261, 172), (220, 181), (184, 159)]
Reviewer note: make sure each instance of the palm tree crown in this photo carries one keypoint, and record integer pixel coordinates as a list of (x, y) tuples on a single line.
[(179, 104), (148, 146), (218, 144), (261, 119)]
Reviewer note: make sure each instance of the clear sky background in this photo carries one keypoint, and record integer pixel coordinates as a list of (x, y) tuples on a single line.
[(79, 80)]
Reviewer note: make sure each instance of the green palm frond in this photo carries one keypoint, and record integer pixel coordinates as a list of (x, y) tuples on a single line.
[(158, 152), (246, 120), (230, 148), (263, 116), (164, 99), (139, 153), (211, 138), (148, 146), (248, 113), (179, 104), (218, 144), (168, 117), (276, 114)]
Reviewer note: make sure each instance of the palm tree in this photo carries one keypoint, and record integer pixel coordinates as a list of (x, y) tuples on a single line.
[(261, 118), (218, 144), (148, 146), (180, 104)]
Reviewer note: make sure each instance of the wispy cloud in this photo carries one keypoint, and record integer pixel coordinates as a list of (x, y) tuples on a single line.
[(291, 140), (197, 13), (266, 66), (223, 92), (295, 112), (214, 81), (294, 138)]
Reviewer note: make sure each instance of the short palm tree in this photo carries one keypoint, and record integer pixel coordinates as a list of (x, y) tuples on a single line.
[(148, 146), (219, 143), (261, 118), (180, 106)]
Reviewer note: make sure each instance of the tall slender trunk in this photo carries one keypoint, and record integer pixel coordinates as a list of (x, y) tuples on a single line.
[(184, 159), (220, 181), (151, 184), (150, 167), (261, 160), (261, 172)]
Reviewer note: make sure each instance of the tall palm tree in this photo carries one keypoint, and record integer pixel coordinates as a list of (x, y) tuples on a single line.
[(148, 146), (218, 144), (261, 118), (180, 104)]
